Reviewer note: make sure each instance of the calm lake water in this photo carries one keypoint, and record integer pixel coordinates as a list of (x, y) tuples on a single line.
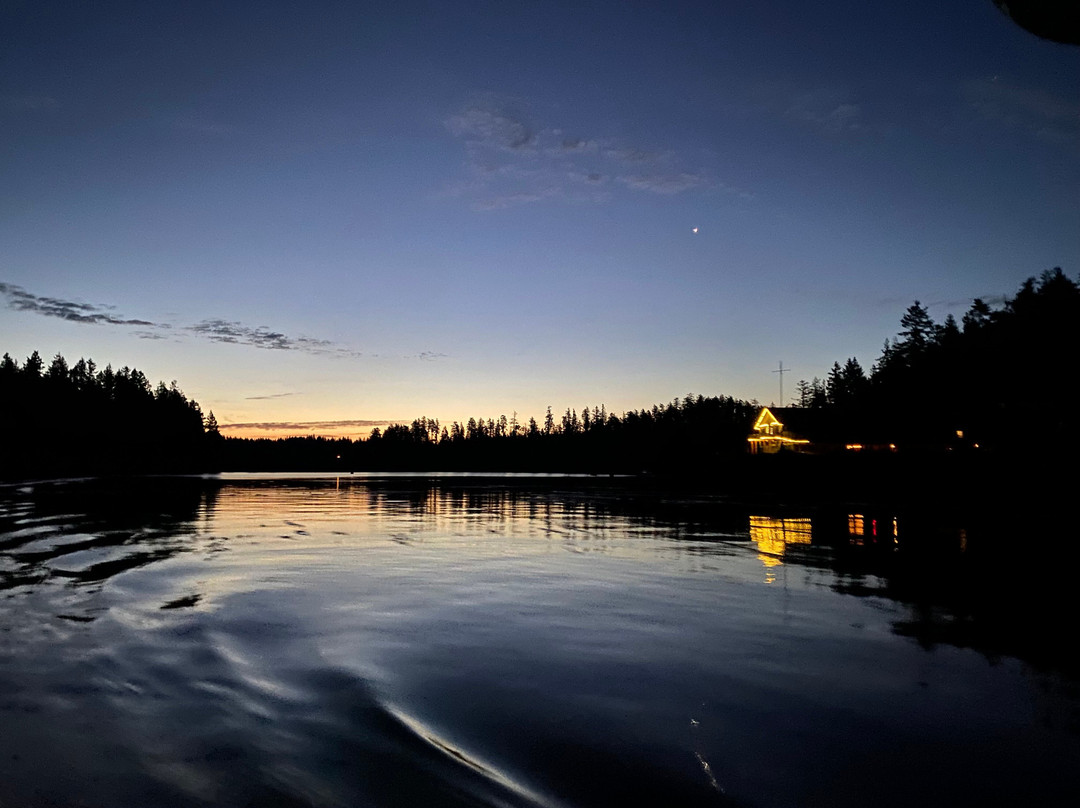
[(461, 641)]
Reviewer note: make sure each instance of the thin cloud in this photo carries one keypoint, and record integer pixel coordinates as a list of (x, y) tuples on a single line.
[(844, 117), (593, 177), (664, 183), (511, 163), (491, 127), (236, 333), (828, 111), (239, 334), (28, 103), (831, 111), (21, 300), (630, 155), (224, 331), (896, 302), (511, 200), (304, 426), (956, 303), (577, 144), (230, 332), (270, 396), (1034, 110)]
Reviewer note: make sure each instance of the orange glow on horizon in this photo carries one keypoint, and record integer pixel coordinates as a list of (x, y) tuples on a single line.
[(304, 429)]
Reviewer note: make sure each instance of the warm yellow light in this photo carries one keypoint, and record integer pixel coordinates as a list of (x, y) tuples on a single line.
[(765, 418), (772, 536), (854, 446), (770, 435), (959, 433)]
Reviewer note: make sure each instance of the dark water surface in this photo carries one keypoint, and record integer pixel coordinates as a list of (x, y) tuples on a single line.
[(551, 642)]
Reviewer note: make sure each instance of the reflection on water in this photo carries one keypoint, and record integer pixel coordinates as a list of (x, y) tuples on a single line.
[(862, 528), (354, 641), (773, 535)]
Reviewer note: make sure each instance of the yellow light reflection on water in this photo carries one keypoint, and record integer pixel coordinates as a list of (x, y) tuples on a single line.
[(772, 536)]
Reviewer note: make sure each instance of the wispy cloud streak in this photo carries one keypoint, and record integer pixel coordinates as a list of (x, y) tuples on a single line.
[(492, 127), (1037, 111), (215, 330), (664, 183), (268, 397), (512, 163), (21, 300), (828, 110), (236, 333), (305, 426), (28, 103)]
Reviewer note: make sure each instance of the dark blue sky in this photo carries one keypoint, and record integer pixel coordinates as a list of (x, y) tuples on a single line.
[(373, 211)]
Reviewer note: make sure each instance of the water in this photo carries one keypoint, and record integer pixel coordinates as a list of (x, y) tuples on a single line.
[(519, 642)]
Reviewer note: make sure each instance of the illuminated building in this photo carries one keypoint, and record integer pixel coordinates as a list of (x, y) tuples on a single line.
[(771, 436), (817, 431)]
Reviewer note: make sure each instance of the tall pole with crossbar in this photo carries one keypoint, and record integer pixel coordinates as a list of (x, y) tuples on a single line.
[(782, 371)]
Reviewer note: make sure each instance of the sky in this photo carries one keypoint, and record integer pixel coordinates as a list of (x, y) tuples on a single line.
[(322, 216)]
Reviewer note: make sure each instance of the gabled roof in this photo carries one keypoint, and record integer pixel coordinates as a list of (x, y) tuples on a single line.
[(766, 418), (793, 419)]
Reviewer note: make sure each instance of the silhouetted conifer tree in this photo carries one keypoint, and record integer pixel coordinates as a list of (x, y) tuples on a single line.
[(73, 419)]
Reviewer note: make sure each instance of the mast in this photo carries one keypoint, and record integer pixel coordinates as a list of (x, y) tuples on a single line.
[(782, 371)]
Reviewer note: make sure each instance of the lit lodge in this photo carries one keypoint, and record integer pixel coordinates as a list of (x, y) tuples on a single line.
[(770, 435), (813, 431)]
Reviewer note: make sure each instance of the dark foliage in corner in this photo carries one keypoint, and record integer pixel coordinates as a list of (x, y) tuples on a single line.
[(1000, 379)]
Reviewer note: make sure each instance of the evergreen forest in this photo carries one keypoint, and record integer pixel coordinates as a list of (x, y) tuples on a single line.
[(1000, 376), (998, 382), (81, 419)]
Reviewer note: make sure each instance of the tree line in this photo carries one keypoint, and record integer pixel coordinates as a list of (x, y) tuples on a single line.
[(688, 435), (63, 419), (1002, 376)]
